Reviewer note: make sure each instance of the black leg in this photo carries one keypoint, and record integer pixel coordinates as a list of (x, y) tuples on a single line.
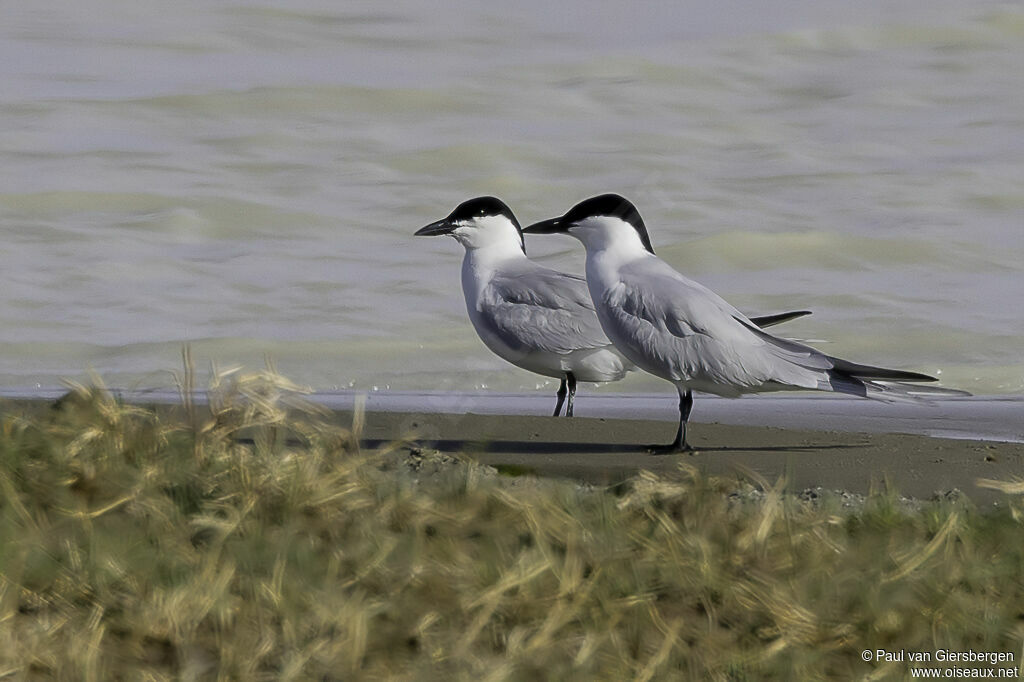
[(685, 406), (679, 444), (572, 392), (561, 398)]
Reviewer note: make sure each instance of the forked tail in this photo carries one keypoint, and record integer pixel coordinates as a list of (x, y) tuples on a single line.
[(854, 378), (878, 383)]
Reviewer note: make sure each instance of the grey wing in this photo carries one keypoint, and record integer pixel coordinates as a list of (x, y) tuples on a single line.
[(691, 333), (542, 309)]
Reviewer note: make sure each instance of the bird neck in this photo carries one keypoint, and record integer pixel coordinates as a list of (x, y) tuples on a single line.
[(496, 249), (606, 257), (619, 245), (482, 262)]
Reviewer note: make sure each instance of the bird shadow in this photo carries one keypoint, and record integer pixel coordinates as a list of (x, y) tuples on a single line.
[(574, 448)]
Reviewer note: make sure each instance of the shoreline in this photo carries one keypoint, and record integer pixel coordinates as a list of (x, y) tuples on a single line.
[(987, 418), (605, 451)]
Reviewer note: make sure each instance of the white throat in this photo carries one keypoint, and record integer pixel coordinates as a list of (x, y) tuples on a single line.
[(610, 243), (489, 232), (490, 242), (611, 235)]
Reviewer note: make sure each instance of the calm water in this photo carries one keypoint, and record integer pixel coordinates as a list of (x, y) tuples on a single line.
[(246, 176)]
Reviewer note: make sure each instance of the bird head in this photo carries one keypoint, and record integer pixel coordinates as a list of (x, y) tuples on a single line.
[(479, 222), (599, 221)]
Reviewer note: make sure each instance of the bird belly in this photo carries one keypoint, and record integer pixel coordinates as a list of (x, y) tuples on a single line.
[(597, 364), (592, 364), (533, 360), (586, 364)]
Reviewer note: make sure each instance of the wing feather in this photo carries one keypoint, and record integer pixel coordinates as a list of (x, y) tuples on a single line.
[(542, 309), (677, 328)]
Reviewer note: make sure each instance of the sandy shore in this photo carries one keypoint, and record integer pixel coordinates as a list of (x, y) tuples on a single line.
[(605, 451)]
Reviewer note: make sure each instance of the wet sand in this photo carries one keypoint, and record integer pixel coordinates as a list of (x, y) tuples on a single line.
[(605, 451), (608, 450)]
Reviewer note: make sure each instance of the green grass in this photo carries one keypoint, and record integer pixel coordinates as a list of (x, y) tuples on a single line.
[(205, 544)]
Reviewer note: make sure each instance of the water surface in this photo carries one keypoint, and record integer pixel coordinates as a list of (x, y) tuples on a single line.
[(245, 177)]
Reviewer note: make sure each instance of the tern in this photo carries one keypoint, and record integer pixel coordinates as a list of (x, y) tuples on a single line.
[(681, 331), (534, 317)]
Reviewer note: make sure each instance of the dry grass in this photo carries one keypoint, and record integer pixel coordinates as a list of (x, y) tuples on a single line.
[(137, 545)]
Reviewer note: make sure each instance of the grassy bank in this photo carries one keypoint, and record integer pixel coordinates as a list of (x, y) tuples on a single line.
[(203, 544)]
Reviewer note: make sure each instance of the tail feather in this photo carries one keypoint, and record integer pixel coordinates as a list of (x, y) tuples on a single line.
[(895, 391), (843, 376), (860, 371), (879, 383)]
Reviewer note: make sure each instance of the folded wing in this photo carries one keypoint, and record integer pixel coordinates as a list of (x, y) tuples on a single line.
[(542, 309), (691, 334)]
